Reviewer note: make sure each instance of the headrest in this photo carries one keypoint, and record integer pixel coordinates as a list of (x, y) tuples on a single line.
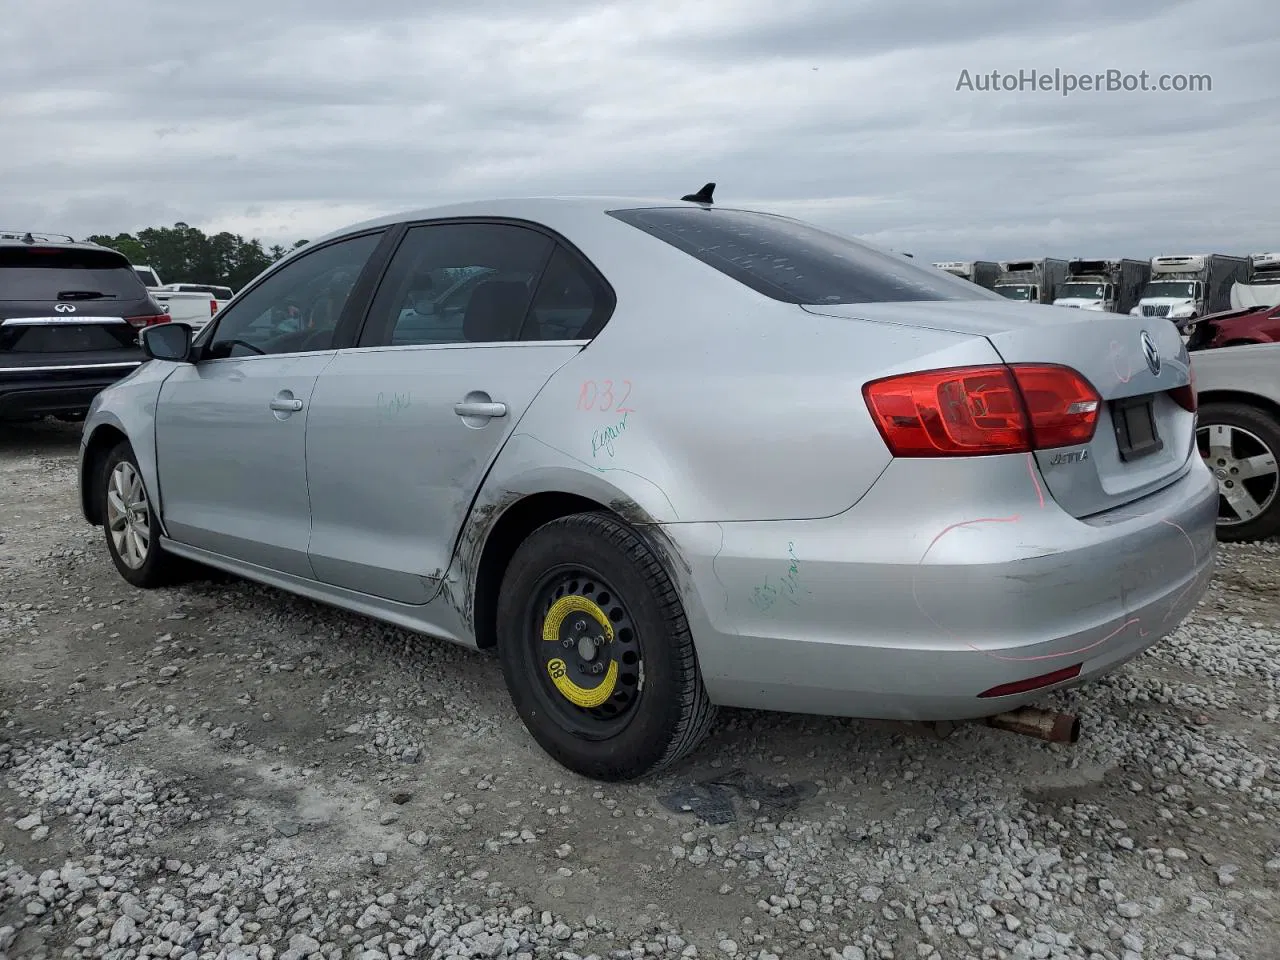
[(495, 311)]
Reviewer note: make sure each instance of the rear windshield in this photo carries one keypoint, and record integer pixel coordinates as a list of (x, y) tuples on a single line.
[(795, 262), (38, 273)]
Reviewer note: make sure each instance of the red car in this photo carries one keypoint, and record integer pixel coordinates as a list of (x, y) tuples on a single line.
[(1235, 327)]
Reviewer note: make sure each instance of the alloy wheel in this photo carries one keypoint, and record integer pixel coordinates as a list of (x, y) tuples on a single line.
[(1246, 470), (128, 516)]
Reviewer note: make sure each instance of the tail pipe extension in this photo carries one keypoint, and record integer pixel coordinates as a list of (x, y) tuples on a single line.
[(1047, 725)]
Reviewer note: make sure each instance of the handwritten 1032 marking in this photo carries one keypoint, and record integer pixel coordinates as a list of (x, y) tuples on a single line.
[(788, 587), (601, 396), (602, 439)]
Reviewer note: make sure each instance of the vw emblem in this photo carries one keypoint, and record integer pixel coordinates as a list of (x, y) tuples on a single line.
[(65, 307), (1151, 354)]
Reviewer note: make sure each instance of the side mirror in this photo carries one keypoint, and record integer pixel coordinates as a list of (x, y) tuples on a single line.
[(167, 341)]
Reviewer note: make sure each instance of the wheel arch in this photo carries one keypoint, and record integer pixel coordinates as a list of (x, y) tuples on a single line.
[(1242, 397), (496, 530), (509, 529), (104, 438)]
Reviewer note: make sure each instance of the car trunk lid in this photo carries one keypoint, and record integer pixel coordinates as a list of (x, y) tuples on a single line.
[(1144, 438)]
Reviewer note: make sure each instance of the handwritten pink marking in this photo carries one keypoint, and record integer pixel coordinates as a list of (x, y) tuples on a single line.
[(1035, 481), (1068, 653), (976, 649), (1195, 560), (1114, 351), (915, 572)]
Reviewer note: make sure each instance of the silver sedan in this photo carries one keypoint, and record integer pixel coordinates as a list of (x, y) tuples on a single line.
[(665, 456)]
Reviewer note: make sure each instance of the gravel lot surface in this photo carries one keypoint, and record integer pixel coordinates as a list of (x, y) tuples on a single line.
[(223, 771)]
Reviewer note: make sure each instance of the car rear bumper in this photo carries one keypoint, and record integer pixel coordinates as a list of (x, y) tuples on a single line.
[(912, 614), (56, 391)]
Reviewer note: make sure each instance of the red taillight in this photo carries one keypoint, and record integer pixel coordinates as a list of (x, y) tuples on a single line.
[(1062, 404), (1185, 397), (213, 307), (148, 321), (979, 411)]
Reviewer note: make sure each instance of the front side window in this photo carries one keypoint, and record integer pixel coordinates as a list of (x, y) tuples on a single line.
[(296, 309), (795, 262), (457, 283)]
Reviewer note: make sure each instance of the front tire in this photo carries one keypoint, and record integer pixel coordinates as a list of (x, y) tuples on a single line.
[(596, 650), (1240, 444), (130, 523)]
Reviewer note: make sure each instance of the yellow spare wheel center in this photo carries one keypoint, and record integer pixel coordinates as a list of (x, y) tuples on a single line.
[(588, 639)]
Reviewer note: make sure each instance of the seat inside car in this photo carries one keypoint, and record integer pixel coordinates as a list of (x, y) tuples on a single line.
[(495, 311)]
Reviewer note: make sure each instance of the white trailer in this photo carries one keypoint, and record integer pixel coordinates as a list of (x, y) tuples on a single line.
[(981, 272), (1189, 286), (1031, 281), (1112, 286), (1263, 288)]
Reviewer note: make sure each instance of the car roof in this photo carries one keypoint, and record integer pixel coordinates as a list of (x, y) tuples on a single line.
[(552, 211), (10, 243)]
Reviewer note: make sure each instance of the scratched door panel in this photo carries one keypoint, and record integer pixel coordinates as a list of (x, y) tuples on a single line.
[(393, 468)]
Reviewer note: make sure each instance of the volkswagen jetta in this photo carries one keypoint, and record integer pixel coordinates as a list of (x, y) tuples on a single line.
[(669, 456)]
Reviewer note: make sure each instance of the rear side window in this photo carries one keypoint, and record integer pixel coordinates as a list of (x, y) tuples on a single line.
[(43, 273), (571, 302), (795, 262)]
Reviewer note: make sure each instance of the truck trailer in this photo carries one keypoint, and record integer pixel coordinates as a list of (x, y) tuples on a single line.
[(1263, 288), (1111, 286), (1186, 287), (1031, 281), (981, 272)]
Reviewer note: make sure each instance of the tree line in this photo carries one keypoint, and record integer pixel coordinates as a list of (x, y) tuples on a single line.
[(186, 254)]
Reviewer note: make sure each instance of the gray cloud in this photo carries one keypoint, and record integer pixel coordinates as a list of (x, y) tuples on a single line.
[(290, 118), (822, 29)]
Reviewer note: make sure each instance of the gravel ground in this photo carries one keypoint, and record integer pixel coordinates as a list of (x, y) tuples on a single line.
[(223, 771)]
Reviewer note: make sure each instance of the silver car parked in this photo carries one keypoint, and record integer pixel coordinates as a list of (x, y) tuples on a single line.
[(1238, 428), (665, 456)]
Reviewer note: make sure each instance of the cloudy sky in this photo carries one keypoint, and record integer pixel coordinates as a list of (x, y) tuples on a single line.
[(284, 119)]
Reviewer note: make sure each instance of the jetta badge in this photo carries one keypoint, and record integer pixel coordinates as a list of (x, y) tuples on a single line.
[(1151, 354), (65, 307)]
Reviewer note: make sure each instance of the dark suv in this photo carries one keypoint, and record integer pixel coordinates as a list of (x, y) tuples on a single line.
[(69, 320)]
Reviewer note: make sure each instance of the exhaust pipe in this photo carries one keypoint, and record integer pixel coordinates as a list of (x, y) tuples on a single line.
[(1048, 725)]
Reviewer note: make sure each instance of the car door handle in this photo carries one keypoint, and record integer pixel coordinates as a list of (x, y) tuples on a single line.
[(474, 408), (286, 405)]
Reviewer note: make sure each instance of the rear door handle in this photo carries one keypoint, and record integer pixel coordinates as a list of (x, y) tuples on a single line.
[(475, 408), (286, 405)]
